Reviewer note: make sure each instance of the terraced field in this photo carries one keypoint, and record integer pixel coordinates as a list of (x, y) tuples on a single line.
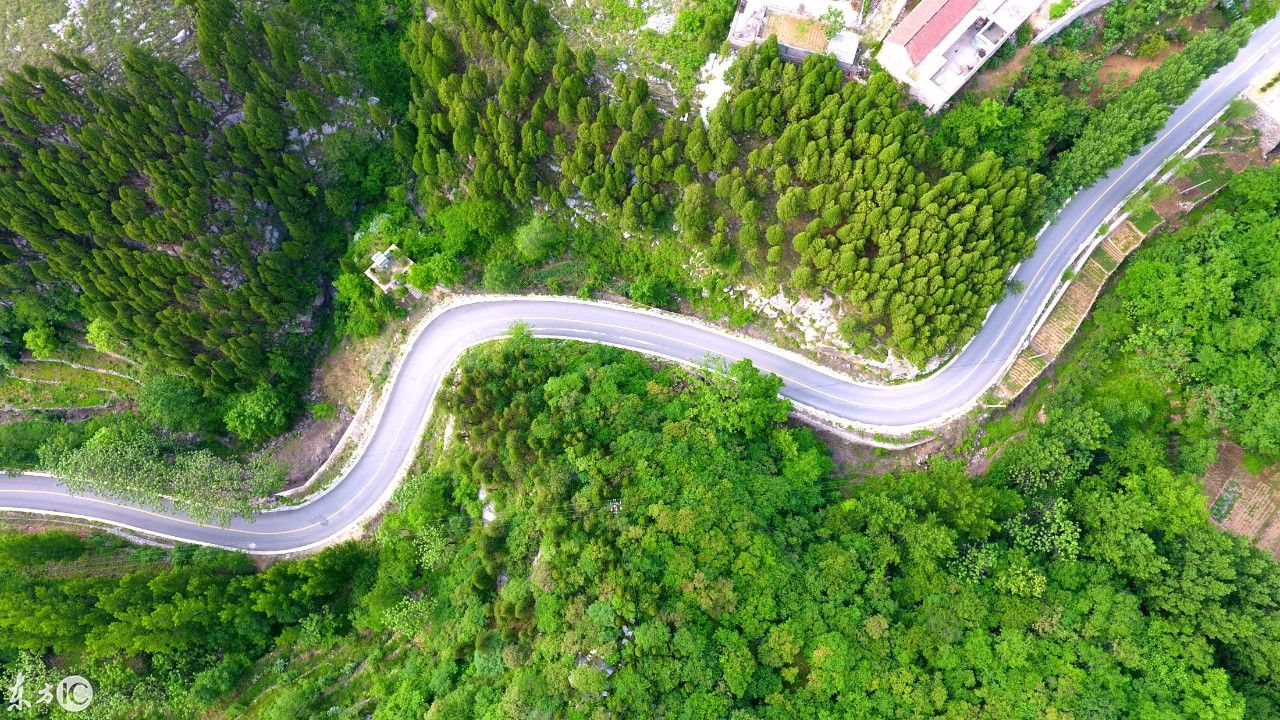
[(78, 379), (1070, 311)]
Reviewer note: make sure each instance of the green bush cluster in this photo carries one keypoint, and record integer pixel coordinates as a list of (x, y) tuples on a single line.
[(1124, 21), (1053, 120), (159, 633), (1196, 311), (128, 460), (35, 319), (1138, 112)]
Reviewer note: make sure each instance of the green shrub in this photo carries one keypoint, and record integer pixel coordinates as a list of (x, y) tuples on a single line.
[(323, 411), (256, 415)]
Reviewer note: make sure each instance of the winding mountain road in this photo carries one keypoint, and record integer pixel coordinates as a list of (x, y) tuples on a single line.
[(432, 352)]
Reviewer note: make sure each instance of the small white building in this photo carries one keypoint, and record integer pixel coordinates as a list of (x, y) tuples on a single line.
[(940, 44), (802, 27), (387, 268)]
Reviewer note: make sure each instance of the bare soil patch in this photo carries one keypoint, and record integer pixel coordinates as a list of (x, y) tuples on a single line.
[(1244, 503), (998, 80), (1122, 70), (1025, 369), (795, 31), (1167, 206), (305, 448), (1122, 242)]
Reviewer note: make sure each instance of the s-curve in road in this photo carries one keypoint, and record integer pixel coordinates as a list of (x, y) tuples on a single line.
[(431, 354)]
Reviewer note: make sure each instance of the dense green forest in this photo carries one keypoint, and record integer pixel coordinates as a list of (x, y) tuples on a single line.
[(185, 217), (664, 547), (604, 535), (798, 179), (161, 633), (190, 218), (194, 218), (1058, 118), (662, 543), (172, 206)]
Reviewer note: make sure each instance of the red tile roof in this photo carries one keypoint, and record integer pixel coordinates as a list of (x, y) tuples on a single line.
[(925, 26)]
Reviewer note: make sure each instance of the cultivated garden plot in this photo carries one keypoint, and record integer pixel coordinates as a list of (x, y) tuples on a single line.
[(1244, 496)]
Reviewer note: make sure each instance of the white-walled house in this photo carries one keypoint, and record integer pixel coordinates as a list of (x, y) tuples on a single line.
[(940, 44)]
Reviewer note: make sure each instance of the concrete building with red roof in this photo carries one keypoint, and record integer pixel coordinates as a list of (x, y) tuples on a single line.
[(940, 44)]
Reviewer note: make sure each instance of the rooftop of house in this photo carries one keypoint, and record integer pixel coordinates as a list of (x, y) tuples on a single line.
[(921, 31), (844, 46), (940, 44)]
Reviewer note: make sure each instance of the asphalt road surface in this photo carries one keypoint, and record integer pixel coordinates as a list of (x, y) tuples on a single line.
[(950, 391)]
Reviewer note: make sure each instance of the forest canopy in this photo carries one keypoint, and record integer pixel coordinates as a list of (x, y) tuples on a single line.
[(666, 546), (176, 207), (601, 533), (189, 217)]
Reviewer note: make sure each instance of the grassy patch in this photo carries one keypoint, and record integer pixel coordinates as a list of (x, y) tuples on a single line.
[(31, 29), (1144, 217), (24, 30), (566, 276), (1206, 170), (1007, 424), (310, 669), (1253, 462), (92, 358), (1101, 257), (19, 394)]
